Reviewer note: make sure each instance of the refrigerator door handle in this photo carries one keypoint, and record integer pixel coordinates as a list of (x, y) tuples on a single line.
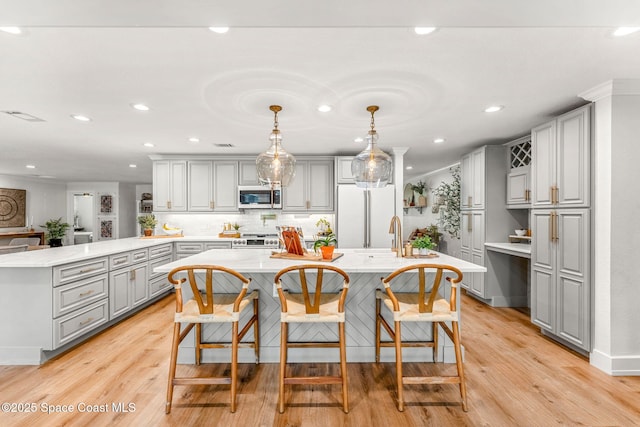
[(367, 219)]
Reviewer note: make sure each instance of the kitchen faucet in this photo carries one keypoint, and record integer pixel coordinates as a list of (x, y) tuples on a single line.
[(395, 228)]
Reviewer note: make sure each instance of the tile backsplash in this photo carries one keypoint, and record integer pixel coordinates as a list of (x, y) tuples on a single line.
[(210, 224)]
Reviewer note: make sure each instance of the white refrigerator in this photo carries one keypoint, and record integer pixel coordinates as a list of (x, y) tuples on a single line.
[(364, 216)]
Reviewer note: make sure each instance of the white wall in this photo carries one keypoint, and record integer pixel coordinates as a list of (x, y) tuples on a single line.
[(414, 219), (127, 211), (45, 199)]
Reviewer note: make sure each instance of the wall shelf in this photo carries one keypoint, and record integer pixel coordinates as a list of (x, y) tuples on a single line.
[(418, 208)]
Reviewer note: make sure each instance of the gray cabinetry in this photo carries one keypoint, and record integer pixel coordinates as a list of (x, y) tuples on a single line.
[(519, 177), (212, 186), (247, 173), (560, 280), (186, 249), (128, 283), (170, 185), (312, 189)]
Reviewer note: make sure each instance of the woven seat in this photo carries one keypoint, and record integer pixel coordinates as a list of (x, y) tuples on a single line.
[(425, 305), (310, 305), (210, 307)]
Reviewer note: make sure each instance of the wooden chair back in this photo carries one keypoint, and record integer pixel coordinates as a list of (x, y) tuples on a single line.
[(311, 293), (194, 273), (426, 296)]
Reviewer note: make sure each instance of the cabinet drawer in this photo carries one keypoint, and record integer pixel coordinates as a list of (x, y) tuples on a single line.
[(217, 245), (158, 251), (74, 325), (127, 258), (79, 270), (159, 285), (157, 263), (189, 247), (78, 294)]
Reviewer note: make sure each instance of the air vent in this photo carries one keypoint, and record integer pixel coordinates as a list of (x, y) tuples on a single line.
[(24, 116), (224, 145)]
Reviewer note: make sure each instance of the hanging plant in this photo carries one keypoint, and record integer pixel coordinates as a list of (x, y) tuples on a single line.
[(450, 194)]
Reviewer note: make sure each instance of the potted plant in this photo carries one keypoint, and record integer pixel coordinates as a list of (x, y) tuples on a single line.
[(324, 226), (148, 223), (419, 188), (56, 230), (423, 244), (326, 245)]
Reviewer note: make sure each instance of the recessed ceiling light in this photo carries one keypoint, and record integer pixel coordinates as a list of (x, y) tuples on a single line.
[(438, 140), (493, 108), (30, 166), (194, 140), (219, 30), (140, 107), (11, 30), (358, 139), (409, 168), (81, 117), (148, 144), (424, 30), (625, 31), (324, 108), (133, 166)]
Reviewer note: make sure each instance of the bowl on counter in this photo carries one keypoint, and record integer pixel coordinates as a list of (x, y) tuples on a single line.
[(521, 232), (173, 231)]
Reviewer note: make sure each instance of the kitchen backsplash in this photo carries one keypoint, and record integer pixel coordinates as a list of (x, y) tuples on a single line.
[(254, 222)]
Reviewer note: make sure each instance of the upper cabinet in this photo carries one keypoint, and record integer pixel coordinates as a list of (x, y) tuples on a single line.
[(561, 161), (212, 186), (519, 176), (312, 189), (170, 185), (248, 173), (472, 180)]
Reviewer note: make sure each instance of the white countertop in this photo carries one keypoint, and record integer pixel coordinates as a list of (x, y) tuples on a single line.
[(353, 261), (516, 249), (57, 256)]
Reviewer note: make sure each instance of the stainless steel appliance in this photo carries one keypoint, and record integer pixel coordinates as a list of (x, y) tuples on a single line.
[(364, 216), (259, 197), (256, 240)]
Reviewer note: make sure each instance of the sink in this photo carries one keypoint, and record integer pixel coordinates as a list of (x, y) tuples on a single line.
[(379, 253)]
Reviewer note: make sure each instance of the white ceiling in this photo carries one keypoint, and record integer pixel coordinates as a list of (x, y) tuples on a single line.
[(84, 58)]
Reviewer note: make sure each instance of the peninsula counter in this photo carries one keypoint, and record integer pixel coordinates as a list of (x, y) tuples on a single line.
[(365, 268)]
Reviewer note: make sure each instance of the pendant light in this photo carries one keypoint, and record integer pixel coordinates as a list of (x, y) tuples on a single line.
[(372, 167), (275, 166)]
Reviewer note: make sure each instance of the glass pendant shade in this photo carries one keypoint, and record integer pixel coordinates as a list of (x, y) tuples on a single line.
[(372, 167), (275, 167)]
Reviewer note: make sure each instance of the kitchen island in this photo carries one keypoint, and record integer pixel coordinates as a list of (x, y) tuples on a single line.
[(365, 268)]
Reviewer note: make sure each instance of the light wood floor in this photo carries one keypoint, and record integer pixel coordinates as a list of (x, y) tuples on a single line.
[(515, 377)]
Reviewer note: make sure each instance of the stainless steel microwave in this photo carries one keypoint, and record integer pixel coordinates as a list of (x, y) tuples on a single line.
[(259, 197)]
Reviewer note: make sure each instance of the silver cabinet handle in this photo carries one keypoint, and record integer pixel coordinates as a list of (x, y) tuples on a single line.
[(84, 294), (89, 320)]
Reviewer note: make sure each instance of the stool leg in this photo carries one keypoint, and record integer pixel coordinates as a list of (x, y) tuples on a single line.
[(172, 365), (398, 343), (378, 303), (343, 368), (256, 330), (435, 341), (458, 350), (234, 365), (198, 341), (283, 364)]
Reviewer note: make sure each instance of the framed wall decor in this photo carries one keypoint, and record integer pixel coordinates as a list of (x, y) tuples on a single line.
[(13, 207), (106, 204)]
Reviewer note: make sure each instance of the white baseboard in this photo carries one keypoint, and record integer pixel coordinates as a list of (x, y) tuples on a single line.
[(616, 365)]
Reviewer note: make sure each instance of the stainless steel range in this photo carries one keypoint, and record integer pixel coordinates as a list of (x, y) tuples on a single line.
[(256, 240)]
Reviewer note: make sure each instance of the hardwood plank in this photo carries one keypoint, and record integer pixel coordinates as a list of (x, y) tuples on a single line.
[(515, 376)]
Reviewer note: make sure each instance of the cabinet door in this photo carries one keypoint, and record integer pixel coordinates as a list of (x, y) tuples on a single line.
[(543, 158), (543, 267), (200, 186), (139, 277), (119, 293), (518, 186), (573, 271), (321, 188), (466, 278), (161, 185), (543, 251), (543, 298), (248, 173), (574, 158), (477, 232), (466, 227), (343, 165), (476, 284), (178, 199), (466, 181), (295, 195), (225, 186), (478, 179)]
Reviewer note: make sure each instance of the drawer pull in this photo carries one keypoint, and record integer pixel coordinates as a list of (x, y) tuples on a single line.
[(88, 270), (120, 262), (139, 256), (84, 294), (85, 322)]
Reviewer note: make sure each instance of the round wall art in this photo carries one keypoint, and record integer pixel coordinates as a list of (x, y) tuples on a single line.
[(12, 207)]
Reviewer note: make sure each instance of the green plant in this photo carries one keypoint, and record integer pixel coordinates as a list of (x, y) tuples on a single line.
[(147, 221), (324, 225), (419, 187), (327, 240), (450, 193), (56, 229), (236, 226), (423, 242)]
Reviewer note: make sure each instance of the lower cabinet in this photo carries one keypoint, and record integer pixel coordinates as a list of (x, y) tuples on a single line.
[(472, 239), (127, 289)]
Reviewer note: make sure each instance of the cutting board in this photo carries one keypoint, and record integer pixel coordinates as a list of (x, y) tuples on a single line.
[(305, 257), (422, 256)]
